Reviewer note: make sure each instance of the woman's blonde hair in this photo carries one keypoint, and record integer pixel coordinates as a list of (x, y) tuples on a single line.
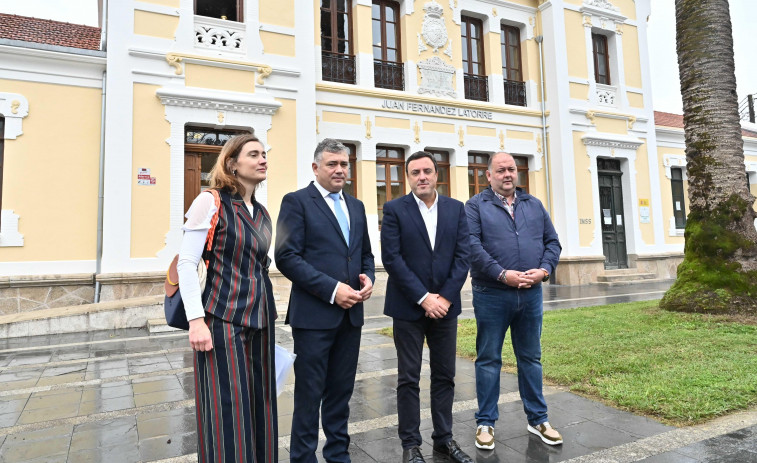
[(221, 175)]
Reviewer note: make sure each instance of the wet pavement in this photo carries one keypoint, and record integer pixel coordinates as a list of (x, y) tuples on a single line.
[(127, 396)]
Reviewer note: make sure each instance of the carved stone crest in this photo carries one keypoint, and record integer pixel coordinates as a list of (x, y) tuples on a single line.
[(433, 30), (436, 77), (603, 4)]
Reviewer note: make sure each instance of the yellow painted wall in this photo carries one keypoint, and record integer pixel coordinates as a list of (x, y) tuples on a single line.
[(149, 204), (520, 135), (171, 3), (392, 122), (277, 12), (219, 78), (584, 193), (277, 44), (607, 125), (283, 155), (627, 8), (481, 131), (537, 185), (361, 23), (631, 59), (579, 91), (317, 20), (492, 52), (155, 24), (341, 118), (643, 190), (438, 127), (366, 184), (458, 183), (575, 43), (51, 170), (636, 100)]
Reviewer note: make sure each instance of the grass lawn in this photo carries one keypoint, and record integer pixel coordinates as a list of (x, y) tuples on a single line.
[(679, 368)]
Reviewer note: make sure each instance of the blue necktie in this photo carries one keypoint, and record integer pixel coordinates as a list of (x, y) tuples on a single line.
[(340, 216)]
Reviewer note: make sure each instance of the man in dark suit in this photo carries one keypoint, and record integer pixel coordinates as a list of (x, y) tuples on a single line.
[(322, 246), (425, 249)]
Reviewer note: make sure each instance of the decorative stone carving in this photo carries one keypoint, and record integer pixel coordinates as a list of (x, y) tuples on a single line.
[(590, 115), (417, 132), (221, 117), (433, 30), (421, 46), (368, 127), (220, 35), (9, 235), (587, 20), (603, 4), (461, 135), (448, 50), (501, 140), (631, 122), (175, 62), (436, 77), (619, 29), (14, 107), (606, 95)]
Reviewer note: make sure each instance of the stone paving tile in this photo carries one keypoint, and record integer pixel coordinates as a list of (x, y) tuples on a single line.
[(638, 426), (742, 456), (12, 405), (67, 410), (106, 405), (50, 399), (105, 433), (63, 370), (155, 384), (161, 447), (107, 391), (61, 379), (9, 419), (669, 457), (177, 423), (45, 445), (725, 447), (18, 380), (119, 453), (157, 397)]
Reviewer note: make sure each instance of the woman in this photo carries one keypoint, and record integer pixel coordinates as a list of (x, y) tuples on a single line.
[(231, 319)]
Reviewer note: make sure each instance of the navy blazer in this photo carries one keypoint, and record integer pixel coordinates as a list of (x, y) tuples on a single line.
[(413, 268), (311, 252)]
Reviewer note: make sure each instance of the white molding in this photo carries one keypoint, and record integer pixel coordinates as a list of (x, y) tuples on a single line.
[(155, 8), (674, 160), (51, 66), (14, 107), (673, 230), (53, 267), (9, 235), (205, 107), (612, 141)]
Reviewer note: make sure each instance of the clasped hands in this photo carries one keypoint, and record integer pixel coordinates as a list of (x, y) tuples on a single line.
[(346, 297), (436, 306), (525, 279)]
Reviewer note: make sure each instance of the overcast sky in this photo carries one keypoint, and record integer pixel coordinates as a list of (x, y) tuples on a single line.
[(662, 56)]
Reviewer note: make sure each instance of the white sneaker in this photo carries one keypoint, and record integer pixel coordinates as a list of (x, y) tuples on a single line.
[(485, 437), (547, 433)]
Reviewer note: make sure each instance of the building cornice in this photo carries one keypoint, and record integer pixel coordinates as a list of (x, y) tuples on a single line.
[(218, 100)]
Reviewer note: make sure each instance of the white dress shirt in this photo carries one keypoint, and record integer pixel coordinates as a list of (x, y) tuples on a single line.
[(429, 215), (325, 193)]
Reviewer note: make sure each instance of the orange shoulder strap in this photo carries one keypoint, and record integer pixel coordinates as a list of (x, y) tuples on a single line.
[(214, 220)]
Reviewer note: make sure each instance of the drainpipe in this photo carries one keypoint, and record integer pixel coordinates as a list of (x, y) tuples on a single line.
[(539, 39), (100, 195)]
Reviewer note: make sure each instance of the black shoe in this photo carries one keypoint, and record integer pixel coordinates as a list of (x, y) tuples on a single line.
[(412, 455), (454, 452)]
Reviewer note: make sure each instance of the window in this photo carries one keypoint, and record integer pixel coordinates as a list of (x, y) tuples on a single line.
[(522, 180), (337, 60), (387, 61), (679, 200), (230, 10), (476, 86), (477, 164), (515, 88), (350, 186), (601, 59), (442, 164), (390, 176), (201, 149)]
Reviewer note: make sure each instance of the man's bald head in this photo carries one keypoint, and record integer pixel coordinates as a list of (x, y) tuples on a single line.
[(497, 154)]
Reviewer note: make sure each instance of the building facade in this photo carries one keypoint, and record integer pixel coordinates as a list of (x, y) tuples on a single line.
[(104, 149)]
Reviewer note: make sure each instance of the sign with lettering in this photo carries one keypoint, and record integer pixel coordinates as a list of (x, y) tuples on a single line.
[(436, 109)]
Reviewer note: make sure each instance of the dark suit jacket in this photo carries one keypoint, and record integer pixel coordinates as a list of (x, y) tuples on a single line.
[(413, 268), (311, 252)]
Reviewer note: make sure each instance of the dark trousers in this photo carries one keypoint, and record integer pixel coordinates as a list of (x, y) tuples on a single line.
[(324, 379), (441, 336)]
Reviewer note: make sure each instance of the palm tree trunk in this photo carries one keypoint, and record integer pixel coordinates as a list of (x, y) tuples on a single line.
[(719, 270)]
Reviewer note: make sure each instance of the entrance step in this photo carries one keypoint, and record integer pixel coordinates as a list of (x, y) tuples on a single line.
[(625, 276), (158, 325)]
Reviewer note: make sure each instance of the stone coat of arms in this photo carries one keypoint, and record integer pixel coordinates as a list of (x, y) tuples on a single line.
[(434, 31)]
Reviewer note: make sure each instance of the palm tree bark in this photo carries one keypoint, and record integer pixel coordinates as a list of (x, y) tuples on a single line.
[(719, 270)]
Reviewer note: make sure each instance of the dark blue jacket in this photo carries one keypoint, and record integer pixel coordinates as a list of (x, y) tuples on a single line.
[(312, 253), (499, 242), (413, 268)]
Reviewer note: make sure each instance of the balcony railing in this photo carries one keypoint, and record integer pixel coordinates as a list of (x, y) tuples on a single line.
[(476, 87), (337, 67), (515, 92), (388, 74)]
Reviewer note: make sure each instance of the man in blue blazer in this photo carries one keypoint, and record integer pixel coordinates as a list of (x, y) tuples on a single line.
[(425, 249), (322, 246)]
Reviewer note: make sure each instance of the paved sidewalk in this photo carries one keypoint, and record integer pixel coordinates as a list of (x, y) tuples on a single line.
[(126, 396)]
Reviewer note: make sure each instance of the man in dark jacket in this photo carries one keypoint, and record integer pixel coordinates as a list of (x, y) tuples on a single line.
[(514, 247), (425, 246)]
